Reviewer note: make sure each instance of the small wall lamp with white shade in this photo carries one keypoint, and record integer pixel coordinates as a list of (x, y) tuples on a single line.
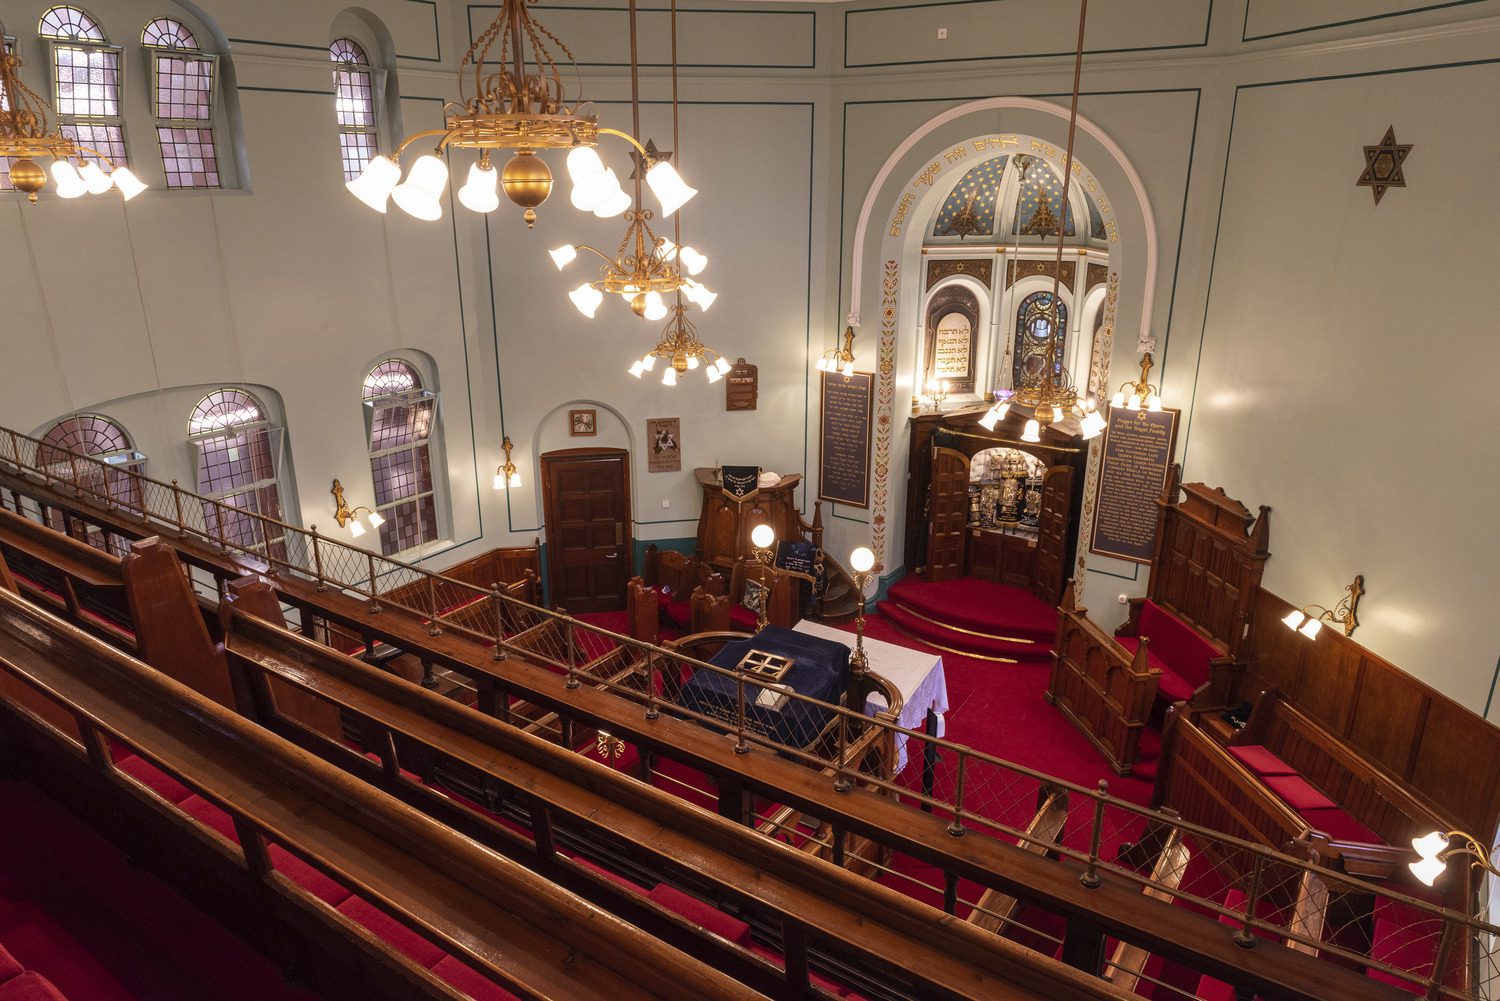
[(348, 517)]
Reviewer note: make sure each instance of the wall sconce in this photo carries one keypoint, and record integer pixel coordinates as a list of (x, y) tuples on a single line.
[(1304, 622), (840, 360), (349, 517), (507, 475), (1435, 853), (1140, 394)]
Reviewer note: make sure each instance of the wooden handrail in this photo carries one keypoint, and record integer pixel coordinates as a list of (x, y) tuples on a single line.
[(519, 928)]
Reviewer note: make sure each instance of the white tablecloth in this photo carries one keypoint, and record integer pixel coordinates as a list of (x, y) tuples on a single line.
[(917, 676)]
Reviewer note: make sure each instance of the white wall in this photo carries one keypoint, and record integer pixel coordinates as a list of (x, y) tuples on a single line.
[(1288, 309)]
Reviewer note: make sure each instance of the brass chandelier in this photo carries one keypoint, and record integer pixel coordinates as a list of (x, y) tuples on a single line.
[(25, 136), (645, 267), (1047, 391), (517, 104)]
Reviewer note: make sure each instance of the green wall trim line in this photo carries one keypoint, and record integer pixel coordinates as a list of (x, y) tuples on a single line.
[(1245, 37)]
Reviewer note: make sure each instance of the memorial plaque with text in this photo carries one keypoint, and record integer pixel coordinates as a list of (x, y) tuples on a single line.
[(1138, 447), (844, 438), (741, 386)]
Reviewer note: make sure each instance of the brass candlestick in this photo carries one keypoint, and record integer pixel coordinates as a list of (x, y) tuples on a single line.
[(861, 562), (762, 538)]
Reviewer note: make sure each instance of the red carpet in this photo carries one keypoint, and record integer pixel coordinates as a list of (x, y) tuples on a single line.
[(973, 617), (74, 909)]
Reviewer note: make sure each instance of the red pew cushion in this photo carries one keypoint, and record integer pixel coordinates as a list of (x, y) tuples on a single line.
[(8, 966), (1260, 760), (153, 778), (742, 619), (210, 816), (1171, 686), (679, 613), (1298, 793), (30, 987), (1340, 826), (395, 934), (471, 982), (310, 878), (693, 909), (1175, 642)]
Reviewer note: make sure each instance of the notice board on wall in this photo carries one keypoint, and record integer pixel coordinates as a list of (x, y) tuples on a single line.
[(844, 438), (1138, 448)]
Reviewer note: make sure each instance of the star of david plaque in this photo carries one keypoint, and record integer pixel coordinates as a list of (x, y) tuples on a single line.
[(1383, 165)]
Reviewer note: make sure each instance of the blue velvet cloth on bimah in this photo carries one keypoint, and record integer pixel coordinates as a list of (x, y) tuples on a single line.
[(820, 669)]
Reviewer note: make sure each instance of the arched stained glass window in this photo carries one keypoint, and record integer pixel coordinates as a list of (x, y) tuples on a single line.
[(402, 417), (115, 480), (1033, 324), (165, 33), (238, 461), (85, 82), (354, 106), (182, 99)]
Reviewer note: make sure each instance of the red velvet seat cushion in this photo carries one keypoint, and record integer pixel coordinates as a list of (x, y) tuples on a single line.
[(8, 966), (1298, 793), (153, 778), (630, 885), (1261, 761), (1406, 939), (395, 934), (1175, 642), (743, 619), (679, 613), (693, 909), (210, 816), (1340, 826), (817, 980), (310, 878), (30, 987), (1170, 686), (471, 982)]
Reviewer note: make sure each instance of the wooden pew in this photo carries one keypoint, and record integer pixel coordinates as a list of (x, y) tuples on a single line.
[(995, 909), (1128, 962), (565, 793), (73, 579), (644, 610), (513, 926)]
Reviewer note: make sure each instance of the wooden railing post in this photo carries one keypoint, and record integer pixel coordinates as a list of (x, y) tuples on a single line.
[(1244, 938), (433, 629), (177, 505), (1090, 878), (374, 582), (317, 555)]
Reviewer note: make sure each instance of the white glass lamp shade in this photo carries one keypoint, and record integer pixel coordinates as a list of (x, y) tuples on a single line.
[(699, 294), (372, 186), (1093, 424), (693, 261), (564, 255), (990, 419), (655, 308), (355, 528), (1428, 870), (1311, 627), (583, 162), (861, 560), (636, 368), (69, 184), (761, 536), (130, 185), (515, 479), (1033, 432), (666, 249), (481, 192), (376, 520), (98, 181), (1118, 400), (499, 479), (612, 199), (822, 364), (722, 366), (418, 195), (1002, 410), (1293, 619), (1428, 846), (669, 376), (1057, 414), (1153, 403), (848, 368), (587, 299), (669, 187), (1134, 403), (648, 362), (713, 373), (692, 362)]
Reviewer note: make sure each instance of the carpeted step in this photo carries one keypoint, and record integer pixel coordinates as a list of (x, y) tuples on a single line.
[(978, 605), (963, 640)]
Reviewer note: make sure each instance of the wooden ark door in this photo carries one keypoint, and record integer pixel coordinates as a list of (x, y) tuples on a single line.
[(1051, 571), (586, 503), (948, 515)]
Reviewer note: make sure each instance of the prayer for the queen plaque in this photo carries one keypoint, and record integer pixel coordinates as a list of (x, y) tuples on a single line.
[(1138, 447), (844, 438)]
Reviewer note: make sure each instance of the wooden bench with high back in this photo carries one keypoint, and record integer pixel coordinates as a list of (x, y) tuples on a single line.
[(1181, 643), (995, 909), (75, 580)]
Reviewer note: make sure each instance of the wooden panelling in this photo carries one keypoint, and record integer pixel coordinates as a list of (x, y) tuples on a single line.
[(1433, 746)]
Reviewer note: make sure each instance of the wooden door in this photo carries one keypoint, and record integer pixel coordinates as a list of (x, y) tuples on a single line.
[(1051, 571), (948, 515), (586, 503)]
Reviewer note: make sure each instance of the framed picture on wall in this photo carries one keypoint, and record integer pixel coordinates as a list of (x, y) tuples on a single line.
[(583, 422), (664, 444)]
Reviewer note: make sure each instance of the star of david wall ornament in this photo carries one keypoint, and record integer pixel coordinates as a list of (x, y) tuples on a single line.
[(1383, 165)]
